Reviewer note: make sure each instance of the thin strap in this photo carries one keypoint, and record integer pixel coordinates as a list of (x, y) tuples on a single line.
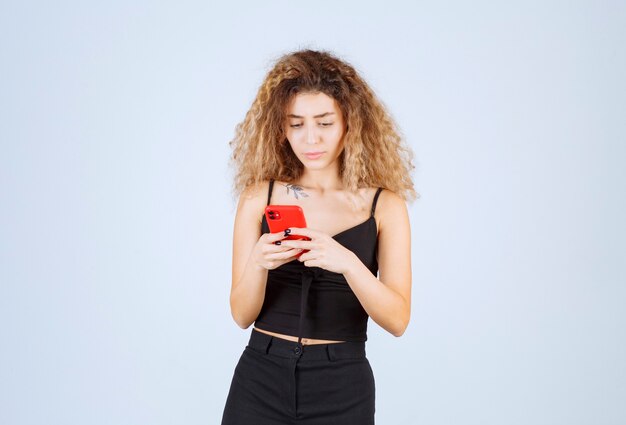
[(269, 192), (380, 189)]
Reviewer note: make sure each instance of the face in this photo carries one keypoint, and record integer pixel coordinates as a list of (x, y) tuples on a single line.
[(315, 128)]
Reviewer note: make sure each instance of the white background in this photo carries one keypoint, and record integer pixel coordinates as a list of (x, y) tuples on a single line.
[(116, 212)]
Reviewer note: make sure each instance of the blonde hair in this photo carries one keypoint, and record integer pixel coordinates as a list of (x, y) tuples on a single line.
[(374, 154)]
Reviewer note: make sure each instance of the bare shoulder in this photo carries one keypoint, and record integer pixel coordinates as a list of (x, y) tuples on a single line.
[(252, 200), (391, 209)]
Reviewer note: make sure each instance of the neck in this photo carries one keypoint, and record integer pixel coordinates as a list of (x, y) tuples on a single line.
[(321, 180)]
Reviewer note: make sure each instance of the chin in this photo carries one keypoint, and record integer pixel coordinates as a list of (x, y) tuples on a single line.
[(315, 166)]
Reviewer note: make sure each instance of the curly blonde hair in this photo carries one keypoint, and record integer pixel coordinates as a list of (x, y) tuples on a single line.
[(374, 153)]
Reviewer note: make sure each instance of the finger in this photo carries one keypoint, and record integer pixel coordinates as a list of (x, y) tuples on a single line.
[(293, 243), (273, 237), (292, 255), (282, 255), (313, 263), (273, 248), (306, 256), (304, 231)]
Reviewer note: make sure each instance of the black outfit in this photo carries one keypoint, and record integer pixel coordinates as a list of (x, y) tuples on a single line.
[(282, 382)]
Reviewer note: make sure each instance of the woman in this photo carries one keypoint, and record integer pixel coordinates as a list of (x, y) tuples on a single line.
[(317, 137)]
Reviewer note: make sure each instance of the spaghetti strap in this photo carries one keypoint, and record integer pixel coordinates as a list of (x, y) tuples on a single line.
[(269, 191), (380, 189)]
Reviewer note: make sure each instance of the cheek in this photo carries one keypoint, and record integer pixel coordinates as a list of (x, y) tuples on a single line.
[(336, 137), (290, 143), (293, 136), (290, 136)]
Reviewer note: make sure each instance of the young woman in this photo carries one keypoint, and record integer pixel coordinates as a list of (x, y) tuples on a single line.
[(317, 137)]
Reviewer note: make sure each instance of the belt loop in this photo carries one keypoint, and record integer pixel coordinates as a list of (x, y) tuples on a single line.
[(268, 344), (330, 350)]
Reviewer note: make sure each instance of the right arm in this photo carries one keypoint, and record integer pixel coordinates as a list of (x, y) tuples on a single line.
[(253, 255)]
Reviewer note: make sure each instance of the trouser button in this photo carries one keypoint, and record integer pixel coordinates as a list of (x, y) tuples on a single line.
[(297, 351)]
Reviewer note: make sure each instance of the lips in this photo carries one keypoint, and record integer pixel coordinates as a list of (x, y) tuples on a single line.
[(313, 155)]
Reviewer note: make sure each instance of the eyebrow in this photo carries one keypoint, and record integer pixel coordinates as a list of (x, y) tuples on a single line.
[(314, 116)]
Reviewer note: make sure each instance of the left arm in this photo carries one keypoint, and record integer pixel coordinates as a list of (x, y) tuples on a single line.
[(388, 300)]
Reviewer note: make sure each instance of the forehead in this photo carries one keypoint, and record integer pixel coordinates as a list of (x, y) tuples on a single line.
[(305, 104)]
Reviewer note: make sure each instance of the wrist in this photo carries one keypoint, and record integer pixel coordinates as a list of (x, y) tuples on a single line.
[(352, 266), (256, 266)]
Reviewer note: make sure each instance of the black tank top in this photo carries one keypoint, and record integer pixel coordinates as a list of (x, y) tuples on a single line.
[(311, 302)]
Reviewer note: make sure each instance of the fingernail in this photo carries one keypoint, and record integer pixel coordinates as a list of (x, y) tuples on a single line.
[(277, 243), (287, 231)]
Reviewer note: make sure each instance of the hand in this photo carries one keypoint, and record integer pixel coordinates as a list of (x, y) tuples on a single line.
[(323, 251), (267, 254)]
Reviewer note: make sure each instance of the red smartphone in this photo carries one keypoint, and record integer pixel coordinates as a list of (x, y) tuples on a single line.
[(281, 217)]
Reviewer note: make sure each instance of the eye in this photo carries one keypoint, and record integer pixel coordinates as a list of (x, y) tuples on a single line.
[(295, 125), (326, 124)]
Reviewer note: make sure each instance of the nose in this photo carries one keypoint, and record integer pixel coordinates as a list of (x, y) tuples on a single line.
[(311, 136)]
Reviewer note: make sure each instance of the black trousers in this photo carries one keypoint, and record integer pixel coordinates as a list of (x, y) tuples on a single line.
[(278, 382)]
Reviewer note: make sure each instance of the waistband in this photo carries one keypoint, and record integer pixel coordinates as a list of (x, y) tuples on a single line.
[(269, 344)]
